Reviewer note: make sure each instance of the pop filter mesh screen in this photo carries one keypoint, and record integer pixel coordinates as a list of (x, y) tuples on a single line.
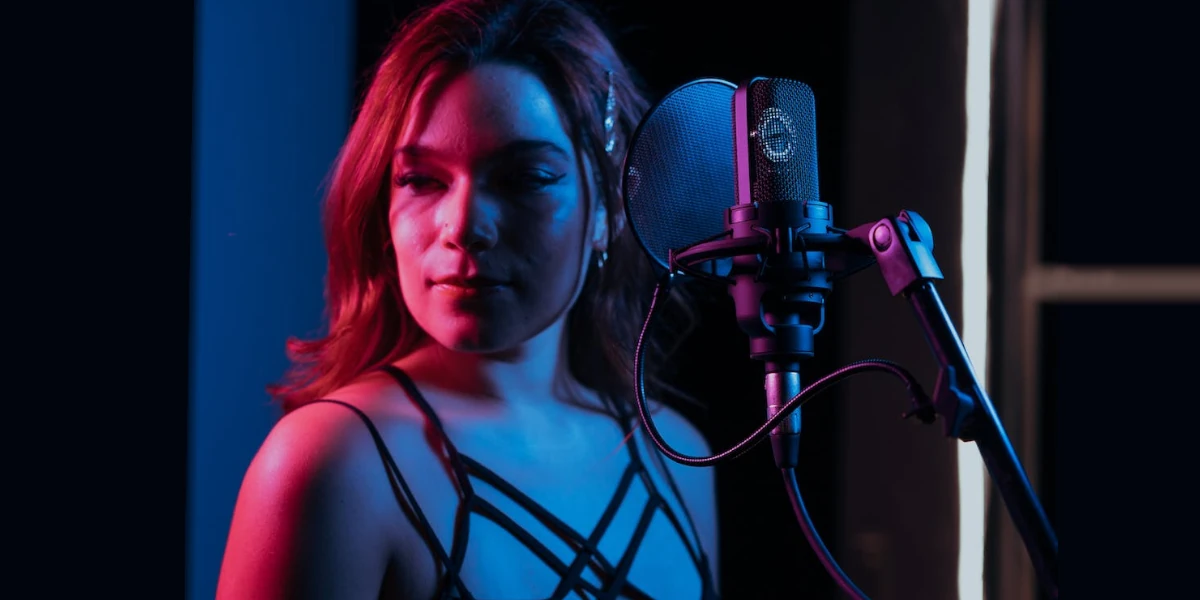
[(679, 171)]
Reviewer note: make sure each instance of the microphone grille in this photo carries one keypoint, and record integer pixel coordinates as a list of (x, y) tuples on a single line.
[(783, 125)]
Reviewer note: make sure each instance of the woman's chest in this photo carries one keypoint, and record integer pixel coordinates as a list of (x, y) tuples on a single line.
[(526, 526)]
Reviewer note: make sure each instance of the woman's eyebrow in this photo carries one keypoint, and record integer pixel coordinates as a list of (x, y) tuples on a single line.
[(520, 146)]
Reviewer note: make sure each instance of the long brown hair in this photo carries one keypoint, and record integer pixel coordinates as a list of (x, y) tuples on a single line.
[(368, 325)]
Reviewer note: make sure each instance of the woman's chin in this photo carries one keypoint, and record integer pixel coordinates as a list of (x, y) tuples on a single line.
[(498, 334), (477, 339)]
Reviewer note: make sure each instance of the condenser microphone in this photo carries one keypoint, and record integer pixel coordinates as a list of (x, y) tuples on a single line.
[(779, 293), (721, 182)]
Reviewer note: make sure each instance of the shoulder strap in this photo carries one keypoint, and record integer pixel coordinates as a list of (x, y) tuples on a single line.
[(447, 562), (456, 462), (462, 524)]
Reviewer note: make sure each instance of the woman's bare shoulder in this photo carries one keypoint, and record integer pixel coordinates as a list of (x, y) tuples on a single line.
[(326, 447), (677, 430), (326, 435), (308, 511)]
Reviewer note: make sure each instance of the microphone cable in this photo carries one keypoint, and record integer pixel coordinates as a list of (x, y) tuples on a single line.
[(921, 408)]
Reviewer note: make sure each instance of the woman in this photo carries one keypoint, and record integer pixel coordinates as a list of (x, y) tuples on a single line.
[(465, 428)]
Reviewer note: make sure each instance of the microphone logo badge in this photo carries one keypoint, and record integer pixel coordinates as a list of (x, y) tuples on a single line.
[(777, 134)]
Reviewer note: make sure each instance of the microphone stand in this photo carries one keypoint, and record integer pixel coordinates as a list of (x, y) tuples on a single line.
[(769, 243), (903, 248)]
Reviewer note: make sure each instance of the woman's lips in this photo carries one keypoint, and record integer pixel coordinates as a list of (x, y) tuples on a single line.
[(469, 288)]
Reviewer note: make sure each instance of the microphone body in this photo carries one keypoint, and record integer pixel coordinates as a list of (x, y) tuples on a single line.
[(779, 291)]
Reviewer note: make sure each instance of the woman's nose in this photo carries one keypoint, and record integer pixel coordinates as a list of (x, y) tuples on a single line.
[(468, 218)]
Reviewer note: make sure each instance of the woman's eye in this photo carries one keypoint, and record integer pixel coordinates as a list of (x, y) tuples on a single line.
[(529, 181), (418, 184)]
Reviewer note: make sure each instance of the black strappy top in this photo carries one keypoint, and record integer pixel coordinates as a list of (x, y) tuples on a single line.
[(587, 553)]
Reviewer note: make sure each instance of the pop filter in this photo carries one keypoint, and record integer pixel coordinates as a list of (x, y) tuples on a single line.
[(679, 171)]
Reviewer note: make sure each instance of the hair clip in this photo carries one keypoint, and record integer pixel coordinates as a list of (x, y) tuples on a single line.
[(610, 118)]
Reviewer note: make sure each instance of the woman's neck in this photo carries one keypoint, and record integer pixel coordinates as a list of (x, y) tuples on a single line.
[(534, 372)]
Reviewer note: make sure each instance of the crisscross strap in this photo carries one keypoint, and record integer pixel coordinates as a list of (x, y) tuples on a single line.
[(697, 553), (613, 578)]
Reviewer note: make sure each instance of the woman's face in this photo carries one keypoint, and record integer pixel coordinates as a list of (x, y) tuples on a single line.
[(488, 210)]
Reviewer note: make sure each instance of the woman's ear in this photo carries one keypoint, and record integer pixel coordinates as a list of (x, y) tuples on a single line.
[(600, 229)]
